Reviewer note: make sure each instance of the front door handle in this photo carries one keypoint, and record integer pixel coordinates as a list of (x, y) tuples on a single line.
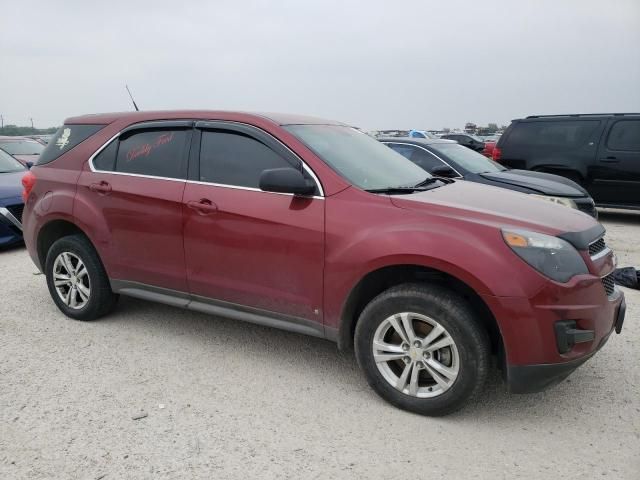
[(610, 159), (102, 188), (204, 206)]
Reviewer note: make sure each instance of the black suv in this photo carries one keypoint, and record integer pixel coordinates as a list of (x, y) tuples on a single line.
[(601, 152)]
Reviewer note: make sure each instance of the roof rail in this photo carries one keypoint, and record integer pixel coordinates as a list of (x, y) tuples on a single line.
[(584, 115)]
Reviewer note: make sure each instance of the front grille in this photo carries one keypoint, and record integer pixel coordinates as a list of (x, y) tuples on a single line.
[(596, 247), (16, 211), (608, 284)]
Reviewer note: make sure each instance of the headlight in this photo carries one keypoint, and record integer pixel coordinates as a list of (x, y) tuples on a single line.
[(551, 256), (567, 202)]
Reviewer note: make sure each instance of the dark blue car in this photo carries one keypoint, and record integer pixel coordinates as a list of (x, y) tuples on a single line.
[(11, 204)]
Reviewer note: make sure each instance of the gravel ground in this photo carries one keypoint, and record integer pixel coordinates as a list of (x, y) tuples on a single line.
[(225, 399)]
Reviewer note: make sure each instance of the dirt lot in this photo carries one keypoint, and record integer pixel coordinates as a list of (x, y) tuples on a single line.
[(232, 400)]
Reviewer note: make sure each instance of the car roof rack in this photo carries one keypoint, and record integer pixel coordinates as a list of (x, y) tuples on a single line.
[(584, 115)]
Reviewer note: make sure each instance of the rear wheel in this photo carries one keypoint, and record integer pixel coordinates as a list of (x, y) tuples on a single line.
[(421, 349), (77, 280)]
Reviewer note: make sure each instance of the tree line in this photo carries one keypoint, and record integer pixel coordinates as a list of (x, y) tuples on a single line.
[(14, 130)]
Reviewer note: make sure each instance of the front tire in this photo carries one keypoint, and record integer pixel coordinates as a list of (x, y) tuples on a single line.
[(421, 349), (77, 279)]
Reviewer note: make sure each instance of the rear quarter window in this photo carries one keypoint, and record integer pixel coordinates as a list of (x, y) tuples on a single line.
[(66, 138), (555, 134), (625, 135)]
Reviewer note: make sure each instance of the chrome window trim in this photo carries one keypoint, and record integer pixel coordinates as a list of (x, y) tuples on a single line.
[(429, 152), (236, 187), (9, 216)]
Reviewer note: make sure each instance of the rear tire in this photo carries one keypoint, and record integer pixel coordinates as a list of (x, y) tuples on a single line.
[(433, 370), (77, 280)]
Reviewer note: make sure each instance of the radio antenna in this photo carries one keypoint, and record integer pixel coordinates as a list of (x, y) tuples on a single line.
[(131, 97)]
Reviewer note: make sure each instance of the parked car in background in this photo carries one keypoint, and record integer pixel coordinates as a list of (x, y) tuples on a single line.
[(313, 226), (447, 158), (26, 150), (466, 140), (601, 152), (43, 139), (420, 134), (11, 203), (487, 151)]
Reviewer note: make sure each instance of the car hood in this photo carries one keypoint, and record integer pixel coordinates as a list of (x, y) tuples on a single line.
[(11, 185), (544, 183), (495, 206)]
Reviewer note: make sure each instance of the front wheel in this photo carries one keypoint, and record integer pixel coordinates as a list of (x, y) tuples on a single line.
[(77, 280), (421, 349)]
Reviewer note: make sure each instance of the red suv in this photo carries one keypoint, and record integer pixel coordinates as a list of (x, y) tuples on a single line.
[(315, 227)]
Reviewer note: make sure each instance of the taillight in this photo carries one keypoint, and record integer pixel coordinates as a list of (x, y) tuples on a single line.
[(28, 182), (496, 154)]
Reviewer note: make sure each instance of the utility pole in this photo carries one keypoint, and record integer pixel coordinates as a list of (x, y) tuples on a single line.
[(2, 121), (31, 123)]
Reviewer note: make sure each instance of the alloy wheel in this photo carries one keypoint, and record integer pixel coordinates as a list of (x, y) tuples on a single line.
[(416, 355), (71, 280)]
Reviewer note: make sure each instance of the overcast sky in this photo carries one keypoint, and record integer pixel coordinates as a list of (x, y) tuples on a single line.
[(375, 64)]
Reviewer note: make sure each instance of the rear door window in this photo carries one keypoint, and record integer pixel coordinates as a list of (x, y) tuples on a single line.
[(67, 137), (106, 159), (625, 135), (557, 134), (154, 152)]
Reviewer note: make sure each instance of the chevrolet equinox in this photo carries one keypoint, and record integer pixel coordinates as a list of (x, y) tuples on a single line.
[(313, 226)]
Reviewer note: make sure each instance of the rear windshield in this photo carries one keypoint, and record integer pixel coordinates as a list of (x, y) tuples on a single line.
[(555, 134), (67, 137), (22, 147)]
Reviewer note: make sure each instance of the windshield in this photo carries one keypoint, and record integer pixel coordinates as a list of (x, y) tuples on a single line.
[(22, 147), (467, 158), (357, 157), (8, 164)]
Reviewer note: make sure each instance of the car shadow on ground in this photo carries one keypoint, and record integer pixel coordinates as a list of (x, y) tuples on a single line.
[(629, 217), (276, 348)]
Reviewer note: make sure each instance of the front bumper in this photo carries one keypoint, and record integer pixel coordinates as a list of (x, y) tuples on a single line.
[(535, 378), (10, 228), (534, 358)]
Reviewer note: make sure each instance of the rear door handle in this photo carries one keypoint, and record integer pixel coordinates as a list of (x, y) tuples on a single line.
[(204, 206), (102, 188), (610, 159)]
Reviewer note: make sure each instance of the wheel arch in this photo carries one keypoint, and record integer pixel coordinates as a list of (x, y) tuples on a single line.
[(383, 278), (52, 231)]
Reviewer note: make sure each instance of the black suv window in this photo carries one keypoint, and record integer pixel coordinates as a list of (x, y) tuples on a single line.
[(157, 152), (556, 133), (232, 158), (420, 157), (625, 135)]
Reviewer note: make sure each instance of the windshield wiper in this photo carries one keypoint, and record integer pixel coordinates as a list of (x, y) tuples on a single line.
[(397, 190), (427, 181)]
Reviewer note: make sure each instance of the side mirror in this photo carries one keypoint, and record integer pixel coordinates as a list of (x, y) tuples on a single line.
[(29, 165), (443, 171), (286, 180)]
